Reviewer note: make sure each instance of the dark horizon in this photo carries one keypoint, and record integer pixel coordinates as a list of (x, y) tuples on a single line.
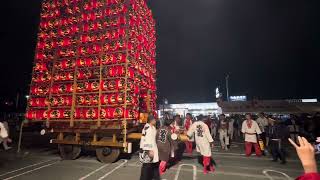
[(271, 49)]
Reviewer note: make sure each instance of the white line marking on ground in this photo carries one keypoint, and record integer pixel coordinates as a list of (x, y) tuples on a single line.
[(24, 167), (27, 172), (226, 153), (219, 146), (91, 173), (243, 156), (219, 172), (179, 169), (266, 173), (110, 172)]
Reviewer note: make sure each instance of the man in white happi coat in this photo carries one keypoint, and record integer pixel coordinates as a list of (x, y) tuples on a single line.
[(250, 129), (204, 142), (4, 135), (148, 143)]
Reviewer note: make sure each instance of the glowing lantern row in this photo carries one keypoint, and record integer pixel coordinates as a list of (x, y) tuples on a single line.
[(62, 88), (114, 58), (145, 96), (40, 102), (90, 6), (118, 98), (64, 64), (100, 24), (51, 5), (109, 85), (40, 67), (82, 113), (119, 112), (39, 90), (54, 101), (89, 36), (63, 76), (118, 71), (85, 74), (61, 101), (43, 77), (88, 99)]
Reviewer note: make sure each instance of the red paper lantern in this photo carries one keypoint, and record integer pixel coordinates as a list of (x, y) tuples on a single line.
[(110, 114), (95, 100), (68, 100), (120, 83), (104, 85), (80, 75), (81, 87), (120, 98), (112, 98), (112, 85), (103, 114), (88, 100), (80, 100), (67, 114), (91, 113), (78, 114), (131, 114), (56, 114), (118, 112), (30, 114), (104, 99)]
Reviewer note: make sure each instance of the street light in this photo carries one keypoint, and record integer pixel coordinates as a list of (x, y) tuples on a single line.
[(227, 86)]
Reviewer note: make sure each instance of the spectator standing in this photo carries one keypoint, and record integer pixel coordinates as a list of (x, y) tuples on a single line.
[(231, 127), (214, 126), (209, 123), (316, 121), (250, 129), (262, 123), (237, 127), (187, 125), (277, 134), (223, 132), (294, 128)]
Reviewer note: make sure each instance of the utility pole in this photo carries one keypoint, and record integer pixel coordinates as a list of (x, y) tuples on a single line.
[(227, 86)]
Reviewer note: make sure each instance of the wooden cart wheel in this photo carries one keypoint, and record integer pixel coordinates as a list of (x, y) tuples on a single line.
[(69, 152), (107, 154)]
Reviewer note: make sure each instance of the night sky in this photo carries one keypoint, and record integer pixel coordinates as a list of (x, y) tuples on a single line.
[(270, 48)]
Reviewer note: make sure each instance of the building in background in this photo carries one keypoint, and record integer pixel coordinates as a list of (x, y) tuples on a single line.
[(239, 107)]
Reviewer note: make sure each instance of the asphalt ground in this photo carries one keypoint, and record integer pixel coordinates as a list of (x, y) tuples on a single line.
[(44, 163)]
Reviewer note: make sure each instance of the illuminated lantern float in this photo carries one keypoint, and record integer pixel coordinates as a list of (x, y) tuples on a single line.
[(98, 53)]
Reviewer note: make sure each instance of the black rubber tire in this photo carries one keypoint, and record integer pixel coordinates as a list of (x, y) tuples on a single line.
[(107, 154), (69, 152)]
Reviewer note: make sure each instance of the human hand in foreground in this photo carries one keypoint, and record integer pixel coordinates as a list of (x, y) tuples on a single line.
[(306, 154)]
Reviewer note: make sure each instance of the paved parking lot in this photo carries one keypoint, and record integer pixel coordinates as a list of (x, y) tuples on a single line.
[(46, 164)]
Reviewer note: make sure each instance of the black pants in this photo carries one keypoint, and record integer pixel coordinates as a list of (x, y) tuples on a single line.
[(277, 151), (150, 171)]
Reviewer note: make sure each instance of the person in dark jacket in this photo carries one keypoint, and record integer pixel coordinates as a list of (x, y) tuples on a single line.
[(277, 134), (165, 145)]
